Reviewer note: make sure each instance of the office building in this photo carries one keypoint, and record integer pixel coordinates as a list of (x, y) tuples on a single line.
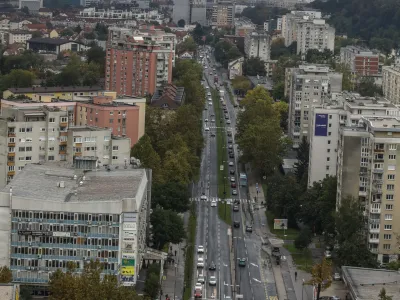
[(58, 214), (314, 34), (198, 12), (362, 62), (391, 83), (181, 11), (339, 110), (223, 14), (368, 168), (307, 86), (258, 44), (138, 63), (44, 133)]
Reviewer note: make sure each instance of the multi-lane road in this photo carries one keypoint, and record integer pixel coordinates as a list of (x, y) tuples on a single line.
[(212, 233)]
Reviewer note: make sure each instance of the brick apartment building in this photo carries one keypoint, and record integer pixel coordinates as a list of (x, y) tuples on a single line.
[(136, 64), (362, 62)]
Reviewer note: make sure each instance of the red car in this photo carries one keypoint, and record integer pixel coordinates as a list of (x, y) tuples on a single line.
[(233, 185)]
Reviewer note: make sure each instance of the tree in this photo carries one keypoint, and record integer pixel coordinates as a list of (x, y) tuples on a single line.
[(261, 13), (321, 276), (350, 236), (25, 293), (181, 23), (36, 34), (301, 166), (143, 150), (152, 286), (225, 52), (254, 66), (97, 55), (67, 32), (317, 57), (279, 49), (171, 196), (17, 79), (367, 87), (5, 274), (241, 84), (304, 239), (278, 91), (25, 10), (167, 227), (187, 45), (384, 296)]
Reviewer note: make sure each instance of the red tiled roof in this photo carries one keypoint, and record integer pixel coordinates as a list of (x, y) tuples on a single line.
[(36, 26)]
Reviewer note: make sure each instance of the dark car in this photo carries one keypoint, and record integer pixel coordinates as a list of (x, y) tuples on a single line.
[(235, 208), (233, 185), (229, 133), (232, 172), (212, 267), (213, 134), (249, 228), (226, 117), (236, 224), (230, 141), (231, 155)]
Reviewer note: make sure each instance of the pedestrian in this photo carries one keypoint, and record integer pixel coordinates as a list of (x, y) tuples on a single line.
[(295, 276)]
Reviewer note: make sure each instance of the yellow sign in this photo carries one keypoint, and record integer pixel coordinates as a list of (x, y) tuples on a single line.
[(127, 271)]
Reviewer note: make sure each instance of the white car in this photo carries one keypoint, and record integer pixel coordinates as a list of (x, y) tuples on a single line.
[(205, 120), (207, 87), (206, 129), (203, 197), (205, 67), (200, 249), (200, 262), (214, 203), (228, 122), (212, 280), (328, 254), (231, 163), (200, 279), (210, 103), (209, 94)]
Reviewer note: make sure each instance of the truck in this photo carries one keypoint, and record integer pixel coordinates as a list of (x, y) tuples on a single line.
[(221, 93)]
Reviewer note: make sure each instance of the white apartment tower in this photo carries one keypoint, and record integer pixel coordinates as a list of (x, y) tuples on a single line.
[(223, 13), (314, 34), (257, 44), (307, 86), (391, 83)]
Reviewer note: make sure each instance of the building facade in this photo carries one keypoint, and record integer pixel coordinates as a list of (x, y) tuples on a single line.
[(368, 156), (307, 86), (362, 62), (181, 11), (391, 83), (198, 12), (244, 26), (61, 214), (223, 13), (135, 67), (19, 36), (314, 34), (257, 44)]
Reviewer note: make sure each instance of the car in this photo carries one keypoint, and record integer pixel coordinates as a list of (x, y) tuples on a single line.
[(205, 108), (230, 151), (213, 134), (200, 249), (211, 73), (212, 120), (336, 276), (234, 192), (230, 146), (200, 262), (206, 129), (203, 197), (210, 103), (221, 84), (212, 266), (334, 298), (205, 120), (212, 280), (249, 228), (231, 155), (235, 105), (212, 115), (207, 87), (230, 140), (205, 67), (236, 208), (226, 116), (209, 94), (233, 185), (209, 99), (232, 179), (214, 203), (213, 69), (200, 279), (328, 254), (236, 224), (231, 164), (228, 122), (242, 262), (232, 172), (229, 133)]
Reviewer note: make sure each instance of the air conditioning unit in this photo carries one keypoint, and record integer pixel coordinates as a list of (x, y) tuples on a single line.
[(89, 222), (109, 223), (28, 268), (19, 220), (29, 220), (99, 246), (30, 243), (39, 256), (47, 269), (115, 235), (84, 258), (100, 223)]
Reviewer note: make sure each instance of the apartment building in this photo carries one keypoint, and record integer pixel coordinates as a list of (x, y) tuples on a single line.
[(339, 110), (361, 61), (307, 86), (368, 159), (258, 44), (391, 83), (289, 23), (223, 13), (198, 12), (314, 34), (244, 26), (136, 64), (121, 119), (56, 214), (45, 94), (181, 11), (41, 134), (19, 36)]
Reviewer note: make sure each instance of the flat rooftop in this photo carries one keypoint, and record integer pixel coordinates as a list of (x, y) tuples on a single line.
[(41, 181), (383, 123), (366, 284)]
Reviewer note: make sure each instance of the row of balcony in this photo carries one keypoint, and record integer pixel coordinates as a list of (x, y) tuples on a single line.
[(49, 269), (64, 246), (61, 257), (75, 222)]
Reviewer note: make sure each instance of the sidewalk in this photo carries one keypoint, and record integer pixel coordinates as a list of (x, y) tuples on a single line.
[(174, 272)]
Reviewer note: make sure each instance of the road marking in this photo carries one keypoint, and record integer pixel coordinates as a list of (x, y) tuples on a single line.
[(256, 280), (254, 265)]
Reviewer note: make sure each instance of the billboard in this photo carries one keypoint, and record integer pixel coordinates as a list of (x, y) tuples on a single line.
[(128, 262), (280, 223), (321, 124), (127, 271)]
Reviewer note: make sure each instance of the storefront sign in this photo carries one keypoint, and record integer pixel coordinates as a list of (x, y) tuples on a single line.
[(128, 262), (127, 271), (129, 226), (129, 235)]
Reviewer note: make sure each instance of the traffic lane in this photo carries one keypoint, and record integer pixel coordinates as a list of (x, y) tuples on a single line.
[(243, 272), (226, 286)]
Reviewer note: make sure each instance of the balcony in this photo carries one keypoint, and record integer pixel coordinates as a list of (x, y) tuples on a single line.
[(376, 190), (11, 163), (373, 250), (63, 143), (374, 230), (11, 134), (78, 144), (11, 144), (377, 170), (63, 152), (374, 221), (63, 133), (10, 173), (373, 240), (375, 210), (379, 150), (78, 154), (11, 154)]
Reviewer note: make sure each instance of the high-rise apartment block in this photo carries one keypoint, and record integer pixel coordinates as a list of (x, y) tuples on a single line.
[(391, 83), (54, 215), (223, 14), (314, 34), (307, 86), (198, 12), (362, 62), (258, 44), (138, 62), (368, 170)]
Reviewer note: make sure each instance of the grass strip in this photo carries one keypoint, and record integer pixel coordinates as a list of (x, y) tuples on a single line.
[(224, 210), (291, 233), (231, 97), (190, 248), (302, 258)]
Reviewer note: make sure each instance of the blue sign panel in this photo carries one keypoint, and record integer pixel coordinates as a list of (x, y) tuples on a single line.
[(321, 125)]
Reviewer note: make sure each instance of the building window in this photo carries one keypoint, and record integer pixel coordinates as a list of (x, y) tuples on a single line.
[(386, 246), (106, 138), (388, 217), (328, 159), (28, 158), (389, 197), (391, 168), (21, 149), (51, 148), (390, 187), (52, 120), (11, 168), (115, 157), (387, 236), (77, 140), (115, 148), (328, 150), (111, 121), (111, 113), (22, 130), (392, 156), (391, 177), (51, 157), (64, 119), (329, 142), (392, 146), (388, 227), (327, 168), (389, 207)]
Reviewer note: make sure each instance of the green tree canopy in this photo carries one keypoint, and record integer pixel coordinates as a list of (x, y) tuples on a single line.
[(241, 83), (5, 274), (261, 13), (167, 227), (304, 239), (384, 296), (367, 87), (301, 166), (225, 52), (187, 45), (143, 150), (170, 195), (321, 276), (254, 66)]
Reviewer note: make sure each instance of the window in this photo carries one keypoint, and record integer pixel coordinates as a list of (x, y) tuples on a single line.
[(42, 129), (389, 207), (11, 149), (51, 148), (391, 168), (63, 138), (28, 149), (77, 140), (388, 217), (51, 157), (111, 121), (11, 140), (391, 177), (22, 130), (21, 149), (392, 156), (330, 125), (392, 146), (388, 227), (28, 140), (115, 157), (64, 119), (28, 158), (386, 246), (327, 168), (329, 133), (87, 139), (390, 187), (115, 148), (111, 113), (11, 168), (328, 150), (29, 129), (328, 159), (389, 197), (21, 158), (20, 168), (387, 236), (329, 142), (52, 120), (106, 138)]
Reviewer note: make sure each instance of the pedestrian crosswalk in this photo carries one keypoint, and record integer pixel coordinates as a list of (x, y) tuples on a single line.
[(210, 199)]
